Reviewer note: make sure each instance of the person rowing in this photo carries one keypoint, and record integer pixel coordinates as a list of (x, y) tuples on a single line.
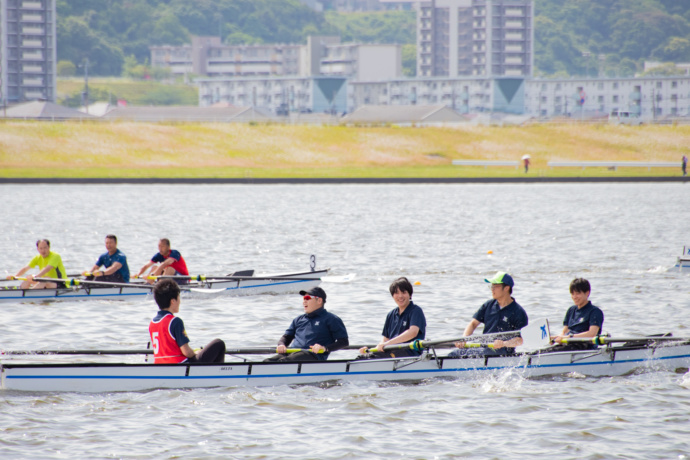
[(317, 329), (405, 323), (114, 263), (582, 320), (500, 314), (171, 263), (168, 335), (50, 266)]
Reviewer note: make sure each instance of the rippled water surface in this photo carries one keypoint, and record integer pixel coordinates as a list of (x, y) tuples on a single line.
[(623, 237)]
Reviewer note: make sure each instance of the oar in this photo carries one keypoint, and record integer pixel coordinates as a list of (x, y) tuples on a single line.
[(73, 282), (234, 351), (211, 278), (603, 340), (76, 352), (535, 334)]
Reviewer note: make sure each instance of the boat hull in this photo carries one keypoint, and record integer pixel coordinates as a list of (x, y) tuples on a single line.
[(107, 377), (267, 285)]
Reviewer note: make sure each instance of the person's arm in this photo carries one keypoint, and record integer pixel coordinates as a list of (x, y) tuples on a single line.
[(512, 343), (592, 332), (167, 262), (45, 270), (145, 267), (19, 273), (468, 331), (364, 349), (404, 337), (558, 338), (187, 351), (337, 345), (283, 343), (112, 269)]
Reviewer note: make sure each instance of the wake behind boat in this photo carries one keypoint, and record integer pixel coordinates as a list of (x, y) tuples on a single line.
[(614, 359), (240, 283)]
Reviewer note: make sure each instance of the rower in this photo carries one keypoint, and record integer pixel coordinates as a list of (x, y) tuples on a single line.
[(168, 336), (317, 329), (500, 314), (405, 323), (114, 263), (582, 320), (49, 264), (171, 263)]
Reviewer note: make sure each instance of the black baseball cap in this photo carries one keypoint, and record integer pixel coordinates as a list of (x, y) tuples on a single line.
[(316, 292)]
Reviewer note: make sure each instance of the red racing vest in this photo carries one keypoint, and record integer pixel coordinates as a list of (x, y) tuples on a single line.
[(165, 348)]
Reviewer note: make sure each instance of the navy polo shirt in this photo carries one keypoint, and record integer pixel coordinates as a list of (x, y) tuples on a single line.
[(320, 327), (580, 319), (512, 317), (396, 323), (106, 260)]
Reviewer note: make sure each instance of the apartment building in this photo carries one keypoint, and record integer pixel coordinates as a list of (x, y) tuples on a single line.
[(27, 51), (647, 97), (461, 38), (279, 95), (322, 55)]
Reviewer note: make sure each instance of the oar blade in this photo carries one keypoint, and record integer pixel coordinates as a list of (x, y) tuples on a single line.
[(535, 335)]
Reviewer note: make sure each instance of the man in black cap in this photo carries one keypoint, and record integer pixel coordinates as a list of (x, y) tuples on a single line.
[(500, 314), (318, 330)]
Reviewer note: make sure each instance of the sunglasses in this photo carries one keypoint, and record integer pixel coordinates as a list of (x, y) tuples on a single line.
[(309, 297)]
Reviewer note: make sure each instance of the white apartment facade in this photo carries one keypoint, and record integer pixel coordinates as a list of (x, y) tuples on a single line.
[(27, 51), (647, 97)]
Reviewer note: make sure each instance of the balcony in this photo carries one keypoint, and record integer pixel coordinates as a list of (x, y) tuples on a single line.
[(514, 24), (35, 81), (27, 5), (32, 55), (32, 43), (28, 30), (32, 69), (32, 18)]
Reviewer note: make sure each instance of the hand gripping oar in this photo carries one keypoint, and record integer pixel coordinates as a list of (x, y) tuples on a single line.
[(535, 335)]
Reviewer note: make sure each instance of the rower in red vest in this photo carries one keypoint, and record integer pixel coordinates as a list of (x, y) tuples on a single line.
[(171, 263), (168, 336)]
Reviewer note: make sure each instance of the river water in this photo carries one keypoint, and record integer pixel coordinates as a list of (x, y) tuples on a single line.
[(624, 238)]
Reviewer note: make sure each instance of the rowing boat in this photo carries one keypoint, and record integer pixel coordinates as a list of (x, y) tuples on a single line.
[(683, 262), (282, 283), (609, 360)]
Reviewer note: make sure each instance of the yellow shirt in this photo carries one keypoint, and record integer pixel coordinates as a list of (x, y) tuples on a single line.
[(54, 260)]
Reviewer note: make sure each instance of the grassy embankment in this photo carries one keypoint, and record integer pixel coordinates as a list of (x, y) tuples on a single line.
[(233, 150), (134, 92)]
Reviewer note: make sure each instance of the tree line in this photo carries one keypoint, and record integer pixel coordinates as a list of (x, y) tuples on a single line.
[(572, 37)]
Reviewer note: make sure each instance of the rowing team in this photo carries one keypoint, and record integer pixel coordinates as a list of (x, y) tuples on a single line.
[(314, 334), (111, 266)]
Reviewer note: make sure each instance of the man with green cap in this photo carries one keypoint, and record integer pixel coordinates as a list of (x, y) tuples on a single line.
[(500, 314)]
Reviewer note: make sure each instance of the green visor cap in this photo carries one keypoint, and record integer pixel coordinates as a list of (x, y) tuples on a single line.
[(501, 278)]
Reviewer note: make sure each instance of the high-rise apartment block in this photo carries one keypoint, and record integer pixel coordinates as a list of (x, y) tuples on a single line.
[(458, 38), (27, 50)]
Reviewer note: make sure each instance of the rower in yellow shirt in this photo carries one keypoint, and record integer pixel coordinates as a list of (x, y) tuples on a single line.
[(49, 265)]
